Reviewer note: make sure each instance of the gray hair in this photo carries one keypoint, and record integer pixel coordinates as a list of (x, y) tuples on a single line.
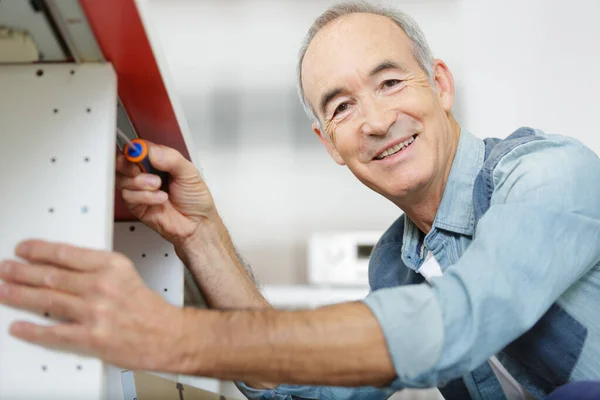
[(421, 49)]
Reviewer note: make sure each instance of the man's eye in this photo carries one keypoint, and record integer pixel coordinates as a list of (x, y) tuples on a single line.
[(341, 108), (391, 83)]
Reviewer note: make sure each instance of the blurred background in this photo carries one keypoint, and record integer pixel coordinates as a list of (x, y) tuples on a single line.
[(515, 63)]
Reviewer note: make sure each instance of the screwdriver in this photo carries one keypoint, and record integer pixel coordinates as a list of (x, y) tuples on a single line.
[(136, 151)]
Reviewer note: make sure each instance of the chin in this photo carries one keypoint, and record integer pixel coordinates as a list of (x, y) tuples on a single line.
[(403, 187), (399, 183)]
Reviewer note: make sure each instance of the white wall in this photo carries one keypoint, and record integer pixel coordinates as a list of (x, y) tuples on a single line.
[(533, 63)]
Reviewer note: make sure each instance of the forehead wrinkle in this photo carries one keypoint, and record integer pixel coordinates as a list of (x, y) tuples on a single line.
[(332, 31), (326, 43)]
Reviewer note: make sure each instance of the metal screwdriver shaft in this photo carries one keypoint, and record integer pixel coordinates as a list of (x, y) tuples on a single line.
[(124, 137)]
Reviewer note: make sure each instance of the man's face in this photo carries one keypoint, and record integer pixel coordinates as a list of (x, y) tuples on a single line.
[(381, 115)]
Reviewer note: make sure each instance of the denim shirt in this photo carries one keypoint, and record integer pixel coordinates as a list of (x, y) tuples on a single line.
[(517, 236)]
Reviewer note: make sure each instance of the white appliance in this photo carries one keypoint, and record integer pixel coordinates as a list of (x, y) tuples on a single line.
[(341, 258)]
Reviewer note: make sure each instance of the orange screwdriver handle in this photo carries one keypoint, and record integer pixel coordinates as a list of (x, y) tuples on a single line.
[(138, 154)]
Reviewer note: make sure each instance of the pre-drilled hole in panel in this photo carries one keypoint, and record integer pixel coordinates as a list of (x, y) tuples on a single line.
[(39, 72), (143, 255), (166, 254), (131, 228), (44, 368), (53, 160), (84, 210), (166, 289), (72, 72), (51, 210), (79, 367), (55, 111), (86, 159), (88, 110)]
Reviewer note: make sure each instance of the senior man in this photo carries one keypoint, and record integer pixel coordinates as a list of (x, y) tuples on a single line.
[(513, 225)]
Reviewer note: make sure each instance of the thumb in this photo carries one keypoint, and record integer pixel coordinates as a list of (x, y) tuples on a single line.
[(171, 161)]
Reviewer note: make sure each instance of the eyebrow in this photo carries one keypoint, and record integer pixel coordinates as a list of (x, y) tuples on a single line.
[(386, 65), (383, 66)]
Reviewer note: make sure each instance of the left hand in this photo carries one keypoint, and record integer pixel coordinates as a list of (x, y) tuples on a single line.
[(102, 306)]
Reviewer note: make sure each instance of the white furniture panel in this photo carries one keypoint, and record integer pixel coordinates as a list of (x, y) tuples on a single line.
[(57, 142), (154, 259)]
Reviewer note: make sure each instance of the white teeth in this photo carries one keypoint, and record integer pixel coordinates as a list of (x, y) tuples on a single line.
[(392, 150), (396, 148)]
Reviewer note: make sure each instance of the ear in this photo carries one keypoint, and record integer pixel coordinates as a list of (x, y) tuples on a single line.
[(328, 145), (444, 84)]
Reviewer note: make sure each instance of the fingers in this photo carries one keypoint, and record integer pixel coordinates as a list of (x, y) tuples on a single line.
[(43, 276), (125, 167), (149, 198), (141, 189), (162, 158), (139, 182), (171, 161), (43, 301), (57, 336), (63, 255)]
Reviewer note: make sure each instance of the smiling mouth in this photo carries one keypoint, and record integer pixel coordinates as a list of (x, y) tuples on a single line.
[(399, 147)]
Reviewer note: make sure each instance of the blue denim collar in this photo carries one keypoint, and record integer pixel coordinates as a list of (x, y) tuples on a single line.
[(455, 213)]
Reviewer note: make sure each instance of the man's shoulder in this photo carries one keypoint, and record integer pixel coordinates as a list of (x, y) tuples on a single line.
[(541, 162), (530, 150), (530, 143)]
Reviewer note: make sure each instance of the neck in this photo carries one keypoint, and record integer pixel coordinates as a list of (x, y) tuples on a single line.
[(422, 207)]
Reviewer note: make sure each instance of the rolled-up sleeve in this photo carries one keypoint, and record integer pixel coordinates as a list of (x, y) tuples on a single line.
[(411, 320), (540, 235)]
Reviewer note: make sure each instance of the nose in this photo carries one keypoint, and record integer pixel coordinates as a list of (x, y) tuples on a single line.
[(377, 118)]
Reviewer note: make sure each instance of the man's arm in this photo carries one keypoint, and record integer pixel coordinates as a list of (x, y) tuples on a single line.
[(218, 269), (337, 345)]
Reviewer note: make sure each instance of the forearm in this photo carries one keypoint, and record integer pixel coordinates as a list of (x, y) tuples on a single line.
[(211, 258), (339, 345)]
